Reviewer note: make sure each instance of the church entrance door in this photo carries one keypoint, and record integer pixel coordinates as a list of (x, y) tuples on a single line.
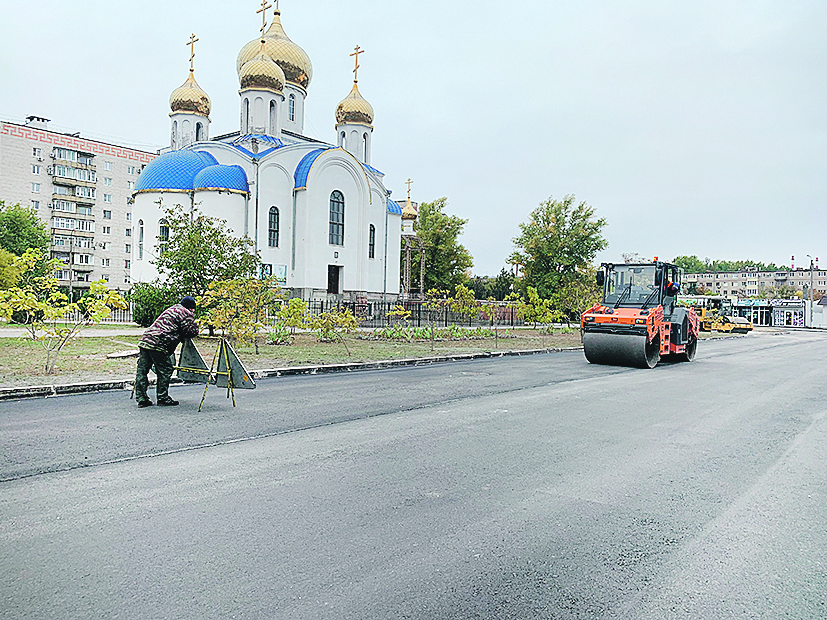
[(334, 279)]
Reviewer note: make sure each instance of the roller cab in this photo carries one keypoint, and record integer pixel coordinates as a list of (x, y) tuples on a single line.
[(638, 322)]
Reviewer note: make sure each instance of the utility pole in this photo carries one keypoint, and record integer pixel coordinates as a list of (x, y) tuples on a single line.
[(71, 251), (811, 289)]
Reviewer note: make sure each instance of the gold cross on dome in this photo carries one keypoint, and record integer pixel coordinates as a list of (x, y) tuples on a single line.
[(191, 43), (356, 51), (408, 183), (263, 11)]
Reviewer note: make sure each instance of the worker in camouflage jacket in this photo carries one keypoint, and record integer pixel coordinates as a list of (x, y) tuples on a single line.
[(157, 348)]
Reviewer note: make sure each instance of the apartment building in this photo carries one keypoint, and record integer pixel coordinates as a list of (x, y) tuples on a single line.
[(82, 189), (752, 283)]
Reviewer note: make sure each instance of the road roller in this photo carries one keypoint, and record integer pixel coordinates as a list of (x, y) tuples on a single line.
[(638, 323)]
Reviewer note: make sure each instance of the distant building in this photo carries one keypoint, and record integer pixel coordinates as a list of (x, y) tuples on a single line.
[(754, 283), (82, 189)]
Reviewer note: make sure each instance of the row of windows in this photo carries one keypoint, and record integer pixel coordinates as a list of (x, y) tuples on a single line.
[(82, 276), (79, 174), (108, 182), (732, 276), (70, 155), (81, 158), (336, 228), (163, 235)]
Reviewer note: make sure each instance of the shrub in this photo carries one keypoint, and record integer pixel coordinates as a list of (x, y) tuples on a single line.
[(279, 335), (151, 299)]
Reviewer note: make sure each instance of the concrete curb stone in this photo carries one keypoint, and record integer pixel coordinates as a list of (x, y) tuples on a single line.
[(46, 391)]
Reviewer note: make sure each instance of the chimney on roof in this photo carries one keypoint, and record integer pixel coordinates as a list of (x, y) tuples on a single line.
[(37, 122)]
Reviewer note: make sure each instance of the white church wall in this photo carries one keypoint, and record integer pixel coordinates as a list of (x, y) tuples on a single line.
[(332, 172), (296, 124), (147, 210), (228, 206), (275, 190)]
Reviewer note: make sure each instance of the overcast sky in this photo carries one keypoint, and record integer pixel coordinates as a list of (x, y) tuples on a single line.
[(692, 127)]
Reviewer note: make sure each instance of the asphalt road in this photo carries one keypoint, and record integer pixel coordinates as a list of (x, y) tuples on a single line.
[(529, 487)]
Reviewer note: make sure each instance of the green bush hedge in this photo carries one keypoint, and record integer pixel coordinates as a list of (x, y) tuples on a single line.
[(151, 299)]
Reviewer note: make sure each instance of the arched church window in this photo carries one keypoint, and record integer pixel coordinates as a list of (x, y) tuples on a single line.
[(174, 133), (163, 235), (372, 242), (343, 140), (199, 132), (273, 228), (337, 218), (245, 120), (272, 118), (291, 107), (365, 147), (140, 239)]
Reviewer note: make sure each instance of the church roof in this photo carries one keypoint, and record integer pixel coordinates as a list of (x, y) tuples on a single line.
[(306, 164), (354, 109), (271, 142), (293, 60), (303, 169), (190, 97), (222, 178), (175, 170), (186, 170)]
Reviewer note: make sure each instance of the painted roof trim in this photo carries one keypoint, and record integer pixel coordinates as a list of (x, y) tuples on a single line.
[(236, 144), (374, 170), (304, 167)]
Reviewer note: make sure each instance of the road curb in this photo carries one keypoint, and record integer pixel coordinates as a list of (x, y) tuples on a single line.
[(47, 391)]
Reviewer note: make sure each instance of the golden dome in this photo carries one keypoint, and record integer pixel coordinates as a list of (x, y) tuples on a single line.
[(292, 59), (261, 72), (189, 97), (408, 211), (354, 109)]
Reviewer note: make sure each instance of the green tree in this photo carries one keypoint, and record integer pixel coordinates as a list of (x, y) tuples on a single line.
[(691, 264), (290, 317), (9, 270), (21, 229), (498, 288), (150, 299), (496, 311), (239, 307), (331, 325), (201, 250), (560, 240), (446, 260), (577, 294), (49, 316)]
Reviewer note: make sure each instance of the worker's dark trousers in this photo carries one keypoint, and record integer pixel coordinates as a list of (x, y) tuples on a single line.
[(163, 363)]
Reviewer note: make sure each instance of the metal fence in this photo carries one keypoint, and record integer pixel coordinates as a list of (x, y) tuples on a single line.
[(378, 314), (118, 315)]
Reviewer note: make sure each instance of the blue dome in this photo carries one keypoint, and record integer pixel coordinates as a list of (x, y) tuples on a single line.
[(230, 178), (175, 170)]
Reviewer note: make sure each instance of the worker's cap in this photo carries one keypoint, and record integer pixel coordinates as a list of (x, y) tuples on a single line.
[(188, 302)]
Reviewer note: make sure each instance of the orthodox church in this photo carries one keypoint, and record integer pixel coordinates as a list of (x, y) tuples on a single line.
[(318, 213)]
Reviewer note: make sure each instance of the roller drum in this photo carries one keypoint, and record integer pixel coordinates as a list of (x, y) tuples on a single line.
[(621, 350)]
